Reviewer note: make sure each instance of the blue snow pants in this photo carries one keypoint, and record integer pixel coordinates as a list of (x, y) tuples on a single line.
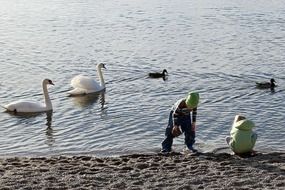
[(186, 126)]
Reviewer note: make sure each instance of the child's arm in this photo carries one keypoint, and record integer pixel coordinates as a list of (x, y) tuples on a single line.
[(194, 116)]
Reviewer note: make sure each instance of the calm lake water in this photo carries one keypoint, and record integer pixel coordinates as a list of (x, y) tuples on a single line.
[(218, 48)]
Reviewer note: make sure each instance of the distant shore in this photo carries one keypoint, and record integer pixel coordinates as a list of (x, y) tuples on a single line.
[(146, 171)]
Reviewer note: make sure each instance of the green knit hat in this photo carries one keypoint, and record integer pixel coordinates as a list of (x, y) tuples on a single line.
[(192, 99)]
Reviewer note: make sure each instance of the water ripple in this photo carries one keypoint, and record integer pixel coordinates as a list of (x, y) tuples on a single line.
[(217, 48)]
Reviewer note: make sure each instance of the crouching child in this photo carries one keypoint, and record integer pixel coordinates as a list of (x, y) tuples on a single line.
[(242, 139)]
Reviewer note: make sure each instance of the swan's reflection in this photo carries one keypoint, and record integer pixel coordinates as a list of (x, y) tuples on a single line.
[(30, 116), (24, 115), (49, 119), (89, 99), (49, 130)]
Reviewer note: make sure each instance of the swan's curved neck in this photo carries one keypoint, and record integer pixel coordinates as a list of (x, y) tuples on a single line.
[(102, 82), (47, 98)]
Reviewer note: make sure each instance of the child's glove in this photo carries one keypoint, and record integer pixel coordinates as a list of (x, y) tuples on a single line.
[(176, 131)]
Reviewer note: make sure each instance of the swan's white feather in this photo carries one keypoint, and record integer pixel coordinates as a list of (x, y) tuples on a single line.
[(30, 106), (85, 82), (27, 106), (78, 91), (84, 85)]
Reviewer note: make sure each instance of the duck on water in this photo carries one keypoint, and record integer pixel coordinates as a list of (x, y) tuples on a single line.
[(158, 75), (265, 85)]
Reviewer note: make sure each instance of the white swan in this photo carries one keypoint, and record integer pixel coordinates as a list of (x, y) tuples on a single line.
[(86, 85), (29, 106)]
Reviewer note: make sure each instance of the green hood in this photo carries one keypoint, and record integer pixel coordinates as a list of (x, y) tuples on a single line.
[(245, 125), (192, 100), (243, 138)]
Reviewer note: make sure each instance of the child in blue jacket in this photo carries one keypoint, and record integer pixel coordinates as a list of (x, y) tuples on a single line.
[(181, 120)]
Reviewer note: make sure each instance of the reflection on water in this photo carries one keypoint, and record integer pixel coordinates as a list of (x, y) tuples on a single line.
[(49, 118), (23, 117), (32, 115), (89, 99), (220, 51), (49, 130), (272, 89)]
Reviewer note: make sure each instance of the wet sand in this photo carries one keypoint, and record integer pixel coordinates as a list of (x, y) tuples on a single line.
[(153, 171)]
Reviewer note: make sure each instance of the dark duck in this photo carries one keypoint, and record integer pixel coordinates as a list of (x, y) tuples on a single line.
[(264, 85), (158, 75)]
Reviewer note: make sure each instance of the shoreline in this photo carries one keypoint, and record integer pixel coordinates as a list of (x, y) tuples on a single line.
[(266, 170)]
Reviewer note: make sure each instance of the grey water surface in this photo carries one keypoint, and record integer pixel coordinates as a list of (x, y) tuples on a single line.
[(218, 48)]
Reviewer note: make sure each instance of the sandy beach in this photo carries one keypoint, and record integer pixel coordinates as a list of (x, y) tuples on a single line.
[(153, 171)]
